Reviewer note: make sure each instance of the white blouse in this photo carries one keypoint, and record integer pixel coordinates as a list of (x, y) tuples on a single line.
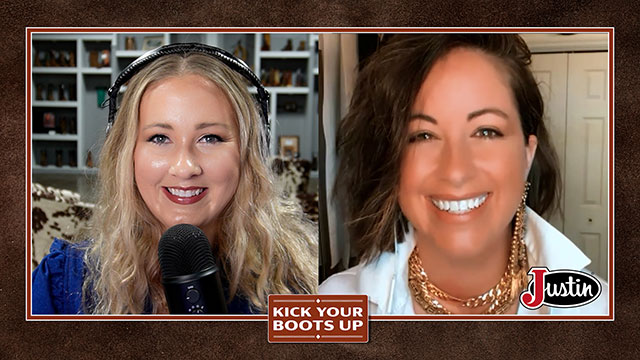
[(385, 280)]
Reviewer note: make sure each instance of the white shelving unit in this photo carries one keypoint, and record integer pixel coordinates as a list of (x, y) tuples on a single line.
[(54, 137), (129, 53), (315, 125), (89, 81), (288, 90), (302, 123), (81, 80), (54, 70), (65, 169), (293, 54), (54, 104), (94, 71)]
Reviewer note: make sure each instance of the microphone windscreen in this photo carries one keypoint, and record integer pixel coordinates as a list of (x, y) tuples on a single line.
[(183, 250)]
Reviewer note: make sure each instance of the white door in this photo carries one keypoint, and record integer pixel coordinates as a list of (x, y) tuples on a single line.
[(574, 88), (550, 71), (587, 157)]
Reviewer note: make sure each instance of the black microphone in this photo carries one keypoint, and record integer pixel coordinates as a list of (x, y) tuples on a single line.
[(190, 275)]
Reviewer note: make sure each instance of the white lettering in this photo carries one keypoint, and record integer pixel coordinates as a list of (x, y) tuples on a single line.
[(278, 325), (340, 311), (305, 325), (328, 325), (295, 311), (570, 288), (346, 325), (586, 291), (291, 325)]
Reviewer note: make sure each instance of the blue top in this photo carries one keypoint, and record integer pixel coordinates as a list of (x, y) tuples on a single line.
[(56, 284)]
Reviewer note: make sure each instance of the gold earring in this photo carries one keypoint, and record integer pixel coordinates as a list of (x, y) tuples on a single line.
[(518, 265)]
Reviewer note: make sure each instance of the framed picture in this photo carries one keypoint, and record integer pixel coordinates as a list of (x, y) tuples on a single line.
[(152, 42), (48, 120), (289, 145)]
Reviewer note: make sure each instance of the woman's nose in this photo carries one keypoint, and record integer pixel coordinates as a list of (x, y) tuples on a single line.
[(456, 163), (185, 163)]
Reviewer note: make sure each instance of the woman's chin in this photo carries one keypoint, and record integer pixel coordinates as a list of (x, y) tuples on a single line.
[(462, 249), (463, 246)]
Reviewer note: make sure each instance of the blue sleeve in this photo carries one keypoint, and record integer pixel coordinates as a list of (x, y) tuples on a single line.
[(56, 284), (239, 305)]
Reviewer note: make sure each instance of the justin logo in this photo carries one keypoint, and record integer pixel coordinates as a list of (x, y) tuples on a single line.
[(559, 288)]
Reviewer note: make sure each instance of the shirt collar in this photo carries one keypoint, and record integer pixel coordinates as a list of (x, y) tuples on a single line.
[(546, 246), (388, 274), (386, 279)]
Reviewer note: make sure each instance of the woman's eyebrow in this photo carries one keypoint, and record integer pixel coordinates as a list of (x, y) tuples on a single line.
[(470, 117), (208, 124), (481, 112), (423, 117), (160, 125), (198, 127)]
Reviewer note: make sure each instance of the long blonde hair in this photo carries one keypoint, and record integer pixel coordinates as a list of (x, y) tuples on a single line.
[(265, 245)]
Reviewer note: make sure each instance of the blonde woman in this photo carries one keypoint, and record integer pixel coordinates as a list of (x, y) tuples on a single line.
[(188, 145)]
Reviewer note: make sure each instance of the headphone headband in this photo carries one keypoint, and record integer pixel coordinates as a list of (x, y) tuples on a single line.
[(224, 56)]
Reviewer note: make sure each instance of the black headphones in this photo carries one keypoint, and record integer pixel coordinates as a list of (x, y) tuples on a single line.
[(224, 56)]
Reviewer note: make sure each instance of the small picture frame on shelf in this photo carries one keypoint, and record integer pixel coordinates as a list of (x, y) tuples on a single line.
[(130, 43), (104, 57), (49, 121), (152, 42), (289, 145)]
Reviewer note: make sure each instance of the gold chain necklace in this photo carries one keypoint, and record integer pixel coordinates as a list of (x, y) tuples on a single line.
[(500, 297)]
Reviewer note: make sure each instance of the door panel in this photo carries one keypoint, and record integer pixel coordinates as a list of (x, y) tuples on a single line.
[(574, 88), (586, 195)]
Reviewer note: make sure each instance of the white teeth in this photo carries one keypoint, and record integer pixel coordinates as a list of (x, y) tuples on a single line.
[(185, 193), (459, 206)]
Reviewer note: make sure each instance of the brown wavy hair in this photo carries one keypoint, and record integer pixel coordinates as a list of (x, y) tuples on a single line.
[(372, 137)]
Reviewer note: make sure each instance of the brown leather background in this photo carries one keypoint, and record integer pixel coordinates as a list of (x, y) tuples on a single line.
[(134, 340)]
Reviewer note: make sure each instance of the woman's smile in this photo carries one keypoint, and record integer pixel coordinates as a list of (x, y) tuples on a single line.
[(185, 196), (460, 206)]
